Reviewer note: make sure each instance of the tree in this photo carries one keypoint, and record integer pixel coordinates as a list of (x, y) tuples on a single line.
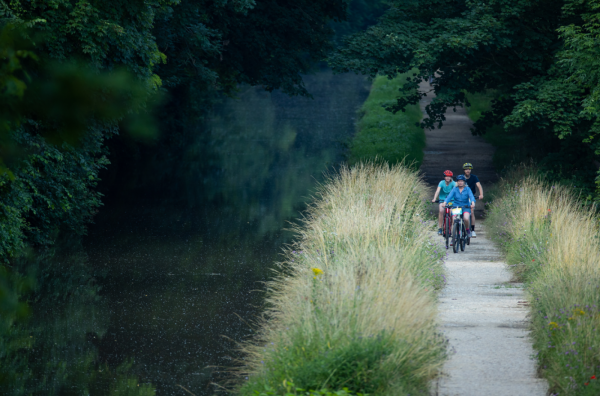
[(533, 53), (69, 74)]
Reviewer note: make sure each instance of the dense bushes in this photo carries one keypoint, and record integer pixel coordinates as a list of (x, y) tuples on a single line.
[(552, 243), (384, 135), (354, 303)]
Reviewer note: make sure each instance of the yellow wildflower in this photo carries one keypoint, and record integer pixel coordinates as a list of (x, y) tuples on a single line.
[(317, 271), (553, 325), (577, 313)]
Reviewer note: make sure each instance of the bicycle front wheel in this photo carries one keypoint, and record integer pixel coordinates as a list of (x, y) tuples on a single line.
[(455, 238), (463, 238)]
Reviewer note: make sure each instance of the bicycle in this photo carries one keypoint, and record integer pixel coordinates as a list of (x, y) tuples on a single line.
[(460, 238), (447, 225)]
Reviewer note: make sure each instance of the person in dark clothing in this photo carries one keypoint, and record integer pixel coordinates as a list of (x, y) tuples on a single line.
[(474, 185)]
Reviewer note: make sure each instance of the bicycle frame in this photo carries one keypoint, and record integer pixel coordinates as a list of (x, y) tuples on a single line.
[(447, 223), (460, 237)]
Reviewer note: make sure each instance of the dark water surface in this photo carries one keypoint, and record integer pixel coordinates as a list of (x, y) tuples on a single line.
[(183, 263)]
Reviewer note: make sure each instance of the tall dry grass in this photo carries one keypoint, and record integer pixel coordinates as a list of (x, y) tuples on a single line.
[(353, 305), (552, 242)]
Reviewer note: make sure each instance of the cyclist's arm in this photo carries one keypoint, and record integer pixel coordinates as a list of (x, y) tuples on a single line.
[(480, 190), (471, 197), (437, 193), (450, 196)]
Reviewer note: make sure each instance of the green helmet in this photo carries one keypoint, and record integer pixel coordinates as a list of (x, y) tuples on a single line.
[(468, 165)]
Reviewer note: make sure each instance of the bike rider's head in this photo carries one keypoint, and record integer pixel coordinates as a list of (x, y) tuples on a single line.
[(461, 180), (448, 176), (468, 167)]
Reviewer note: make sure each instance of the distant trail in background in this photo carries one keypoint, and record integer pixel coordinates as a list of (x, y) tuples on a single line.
[(453, 145)]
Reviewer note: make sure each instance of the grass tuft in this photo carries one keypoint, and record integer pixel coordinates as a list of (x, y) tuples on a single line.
[(552, 243), (384, 136), (354, 303)]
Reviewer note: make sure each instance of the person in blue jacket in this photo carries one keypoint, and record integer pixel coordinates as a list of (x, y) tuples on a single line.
[(461, 195)]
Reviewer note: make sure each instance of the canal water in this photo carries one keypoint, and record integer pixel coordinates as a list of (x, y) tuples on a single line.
[(180, 265)]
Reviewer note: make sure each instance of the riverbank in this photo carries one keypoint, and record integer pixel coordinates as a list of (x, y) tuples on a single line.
[(353, 305), (551, 243)]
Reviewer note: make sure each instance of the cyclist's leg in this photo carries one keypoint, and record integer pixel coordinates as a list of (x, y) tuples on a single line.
[(452, 230), (441, 216), (473, 217), (467, 218)]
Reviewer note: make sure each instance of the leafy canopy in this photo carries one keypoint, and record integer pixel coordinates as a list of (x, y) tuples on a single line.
[(540, 56)]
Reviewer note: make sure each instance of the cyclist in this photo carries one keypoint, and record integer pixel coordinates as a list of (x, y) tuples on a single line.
[(461, 195), (474, 185), (442, 191)]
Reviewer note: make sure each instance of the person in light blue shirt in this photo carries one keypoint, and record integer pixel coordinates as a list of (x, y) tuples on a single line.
[(443, 189), (461, 195)]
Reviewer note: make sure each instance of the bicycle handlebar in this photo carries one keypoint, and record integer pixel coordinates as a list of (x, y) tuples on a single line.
[(440, 201)]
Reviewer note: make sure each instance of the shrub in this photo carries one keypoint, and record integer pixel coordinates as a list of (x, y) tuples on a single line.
[(353, 305)]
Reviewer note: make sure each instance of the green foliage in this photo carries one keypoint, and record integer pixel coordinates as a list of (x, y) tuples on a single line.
[(560, 161), (59, 106), (358, 363), (386, 136), (540, 55), (12, 288), (266, 42), (299, 391), (509, 145), (56, 111), (361, 15)]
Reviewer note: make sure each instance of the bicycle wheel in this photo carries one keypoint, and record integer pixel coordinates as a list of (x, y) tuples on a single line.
[(447, 230), (455, 237), (463, 238)]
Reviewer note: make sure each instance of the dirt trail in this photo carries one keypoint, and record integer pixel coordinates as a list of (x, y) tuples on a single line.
[(453, 145), (482, 313)]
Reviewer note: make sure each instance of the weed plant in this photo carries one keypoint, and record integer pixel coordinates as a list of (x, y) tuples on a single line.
[(354, 302), (382, 135), (552, 243)]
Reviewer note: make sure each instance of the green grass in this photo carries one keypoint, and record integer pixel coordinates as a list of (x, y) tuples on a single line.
[(354, 305), (552, 243), (386, 136), (509, 147)]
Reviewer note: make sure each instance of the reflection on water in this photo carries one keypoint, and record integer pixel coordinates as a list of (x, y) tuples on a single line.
[(179, 253), (55, 351)]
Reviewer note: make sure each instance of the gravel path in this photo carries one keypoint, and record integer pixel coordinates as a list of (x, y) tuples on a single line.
[(483, 314)]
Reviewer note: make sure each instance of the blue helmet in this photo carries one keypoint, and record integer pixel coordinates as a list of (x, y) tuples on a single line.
[(461, 177)]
